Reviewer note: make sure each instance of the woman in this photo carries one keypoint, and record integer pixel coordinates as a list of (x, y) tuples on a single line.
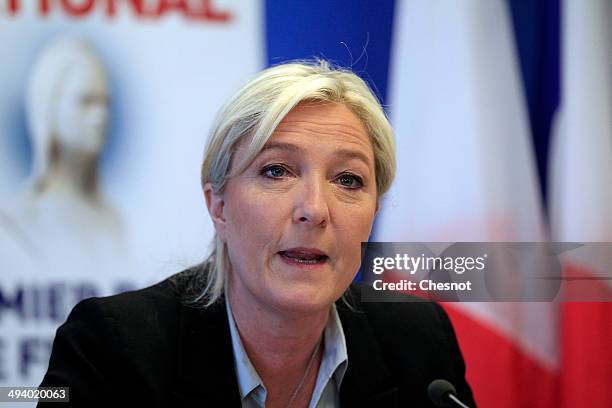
[(293, 174)]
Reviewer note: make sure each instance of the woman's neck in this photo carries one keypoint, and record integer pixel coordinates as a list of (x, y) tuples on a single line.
[(279, 346)]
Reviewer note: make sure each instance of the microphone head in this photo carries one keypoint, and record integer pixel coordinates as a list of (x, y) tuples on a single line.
[(438, 391)]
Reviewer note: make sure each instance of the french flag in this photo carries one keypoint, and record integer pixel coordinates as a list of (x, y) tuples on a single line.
[(581, 200), (467, 172)]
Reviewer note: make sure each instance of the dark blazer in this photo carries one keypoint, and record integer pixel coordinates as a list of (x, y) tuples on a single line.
[(148, 348)]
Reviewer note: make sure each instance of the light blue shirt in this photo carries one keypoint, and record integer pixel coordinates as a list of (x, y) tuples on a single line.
[(326, 393)]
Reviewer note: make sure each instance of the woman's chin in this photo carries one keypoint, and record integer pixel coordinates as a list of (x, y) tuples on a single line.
[(303, 300)]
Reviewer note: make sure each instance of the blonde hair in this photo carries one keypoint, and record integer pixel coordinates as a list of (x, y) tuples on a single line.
[(257, 109)]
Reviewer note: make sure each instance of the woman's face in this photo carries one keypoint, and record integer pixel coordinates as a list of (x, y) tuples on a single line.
[(82, 111), (294, 220)]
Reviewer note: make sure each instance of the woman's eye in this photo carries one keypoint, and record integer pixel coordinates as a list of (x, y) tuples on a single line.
[(274, 171), (350, 181)]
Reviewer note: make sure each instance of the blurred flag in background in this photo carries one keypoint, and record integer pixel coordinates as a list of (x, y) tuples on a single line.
[(581, 198), (466, 173)]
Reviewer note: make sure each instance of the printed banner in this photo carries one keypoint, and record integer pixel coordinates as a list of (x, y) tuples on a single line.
[(104, 111)]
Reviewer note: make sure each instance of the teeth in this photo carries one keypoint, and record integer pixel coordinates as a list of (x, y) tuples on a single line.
[(301, 256), (309, 260)]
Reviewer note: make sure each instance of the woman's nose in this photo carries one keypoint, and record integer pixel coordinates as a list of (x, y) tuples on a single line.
[(311, 205)]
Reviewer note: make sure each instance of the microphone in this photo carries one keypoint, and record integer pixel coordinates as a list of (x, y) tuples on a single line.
[(443, 394)]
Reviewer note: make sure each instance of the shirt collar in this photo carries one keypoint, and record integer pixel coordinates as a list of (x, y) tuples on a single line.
[(248, 379), (335, 356), (333, 363)]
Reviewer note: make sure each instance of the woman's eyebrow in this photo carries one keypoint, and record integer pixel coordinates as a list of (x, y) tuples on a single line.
[(353, 154), (340, 153), (281, 146)]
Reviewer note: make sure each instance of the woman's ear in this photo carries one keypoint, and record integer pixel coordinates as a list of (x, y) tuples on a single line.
[(215, 204)]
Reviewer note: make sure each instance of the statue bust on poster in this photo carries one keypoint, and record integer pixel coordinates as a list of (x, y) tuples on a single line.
[(61, 218)]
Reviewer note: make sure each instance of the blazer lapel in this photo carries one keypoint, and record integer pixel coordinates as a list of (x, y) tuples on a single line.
[(206, 362), (367, 381)]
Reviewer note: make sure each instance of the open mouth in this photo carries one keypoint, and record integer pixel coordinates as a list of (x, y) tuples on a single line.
[(304, 256)]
